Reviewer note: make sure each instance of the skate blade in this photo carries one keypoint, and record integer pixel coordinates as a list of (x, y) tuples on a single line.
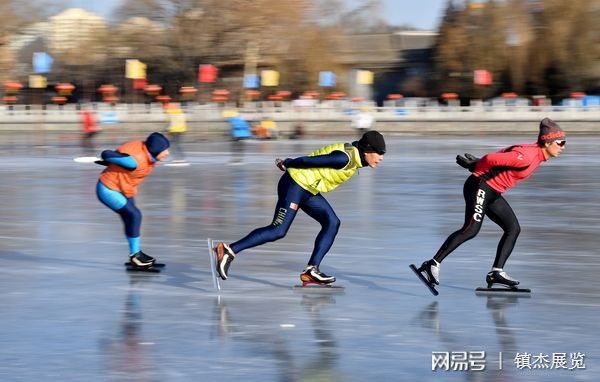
[(525, 292), (424, 280), (213, 264), (318, 288), (133, 268), (155, 265)]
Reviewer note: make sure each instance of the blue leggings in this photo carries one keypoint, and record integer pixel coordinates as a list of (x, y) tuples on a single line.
[(291, 197), (125, 207)]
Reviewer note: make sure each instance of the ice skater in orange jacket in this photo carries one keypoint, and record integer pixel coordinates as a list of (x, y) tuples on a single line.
[(126, 169)]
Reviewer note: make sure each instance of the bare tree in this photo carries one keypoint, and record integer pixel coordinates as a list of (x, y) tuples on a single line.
[(155, 10), (282, 35), (15, 15), (531, 46)]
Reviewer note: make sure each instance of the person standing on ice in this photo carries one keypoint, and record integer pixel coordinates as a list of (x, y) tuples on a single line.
[(494, 174), (126, 169), (301, 187)]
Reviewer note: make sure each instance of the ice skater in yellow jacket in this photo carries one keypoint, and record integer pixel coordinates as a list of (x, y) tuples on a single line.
[(301, 186), (177, 128)]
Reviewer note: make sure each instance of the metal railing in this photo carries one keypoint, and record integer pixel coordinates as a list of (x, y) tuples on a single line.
[(287, 111)]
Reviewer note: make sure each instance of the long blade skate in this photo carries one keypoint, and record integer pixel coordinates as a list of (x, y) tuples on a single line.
[(424, 280), (512, 291), (213, 265), (318, 288), (135, 268), (155, 265)]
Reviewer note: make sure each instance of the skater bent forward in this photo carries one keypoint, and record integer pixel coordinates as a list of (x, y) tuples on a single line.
[(301, 187), (493, 174), (126, 169)]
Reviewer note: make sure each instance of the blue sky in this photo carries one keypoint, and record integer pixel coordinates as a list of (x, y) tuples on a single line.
[(423, 14)]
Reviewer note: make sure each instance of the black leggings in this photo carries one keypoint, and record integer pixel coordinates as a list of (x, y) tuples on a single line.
[(482, 200)]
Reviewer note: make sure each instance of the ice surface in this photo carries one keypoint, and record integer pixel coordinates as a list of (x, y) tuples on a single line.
[(70, 311)]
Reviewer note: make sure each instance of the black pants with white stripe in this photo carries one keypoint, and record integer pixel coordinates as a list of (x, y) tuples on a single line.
[(482, 200)]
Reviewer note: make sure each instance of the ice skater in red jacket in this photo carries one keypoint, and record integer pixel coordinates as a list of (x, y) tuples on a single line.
[(90, 128), (492, 175)]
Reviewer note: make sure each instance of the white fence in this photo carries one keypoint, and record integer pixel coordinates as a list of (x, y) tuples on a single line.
[(286, 111)]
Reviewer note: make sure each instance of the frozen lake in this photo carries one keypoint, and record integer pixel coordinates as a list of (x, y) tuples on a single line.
[(71, 313)]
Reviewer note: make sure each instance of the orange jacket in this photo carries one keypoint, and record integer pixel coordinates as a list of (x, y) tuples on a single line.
[(127, 181)]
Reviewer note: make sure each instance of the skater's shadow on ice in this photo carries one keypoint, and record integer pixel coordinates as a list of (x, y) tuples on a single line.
[(458, 288), (262, 281), (185, 277), (52, 262), (363, 279), (5, 255)]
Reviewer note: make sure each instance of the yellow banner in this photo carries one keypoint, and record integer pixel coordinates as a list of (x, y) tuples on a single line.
[(269, 78), (37, 82), (135, 69), (364, 77)]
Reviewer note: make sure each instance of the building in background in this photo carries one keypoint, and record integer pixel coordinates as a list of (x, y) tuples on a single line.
[(400, 62), (73, 29)]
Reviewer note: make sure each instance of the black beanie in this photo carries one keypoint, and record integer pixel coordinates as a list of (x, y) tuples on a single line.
[(372, 141), (156, 143), (550, 131)]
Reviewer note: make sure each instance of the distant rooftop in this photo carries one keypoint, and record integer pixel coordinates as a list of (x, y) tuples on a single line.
[(381, 50)]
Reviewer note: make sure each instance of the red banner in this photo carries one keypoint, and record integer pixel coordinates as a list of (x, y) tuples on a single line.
[(482, 77), (207, 73), (139, 84)]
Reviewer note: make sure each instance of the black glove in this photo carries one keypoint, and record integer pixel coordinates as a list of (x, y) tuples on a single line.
[(102, 162), (281, 163), (471, 157), (468, 161)]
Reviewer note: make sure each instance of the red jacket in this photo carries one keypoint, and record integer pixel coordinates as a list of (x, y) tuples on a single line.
[(509, 166), (88, 121)]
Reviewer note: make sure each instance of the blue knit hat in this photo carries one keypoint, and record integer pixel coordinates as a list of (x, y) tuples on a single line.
[(156, 143)]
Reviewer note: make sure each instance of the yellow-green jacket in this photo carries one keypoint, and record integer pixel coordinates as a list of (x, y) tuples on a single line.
[(316, 180), (177, 121)]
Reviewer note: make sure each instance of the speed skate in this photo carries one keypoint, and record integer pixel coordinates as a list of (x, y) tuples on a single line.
[(429, 285), (155, 265), (499, 282), (506, 290), (318, 288), (154, 268), (213, 264)]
